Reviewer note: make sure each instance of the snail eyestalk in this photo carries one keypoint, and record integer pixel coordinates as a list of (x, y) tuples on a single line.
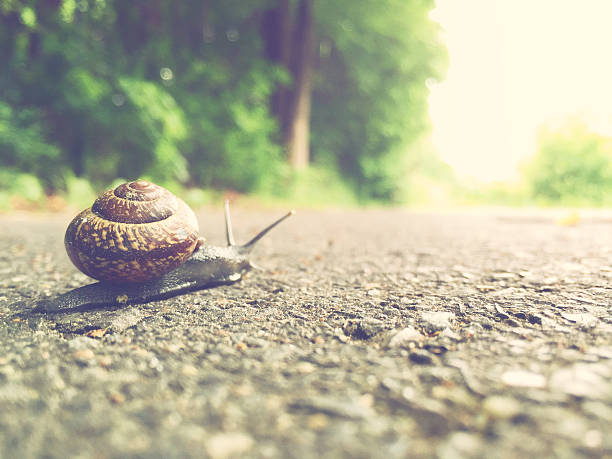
[(246, 248), (229, 233)]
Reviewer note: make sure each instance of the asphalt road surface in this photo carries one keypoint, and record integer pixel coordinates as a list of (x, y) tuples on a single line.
[(368, 333)]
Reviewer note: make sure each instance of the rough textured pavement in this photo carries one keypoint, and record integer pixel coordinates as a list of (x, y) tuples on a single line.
[(370, 333)]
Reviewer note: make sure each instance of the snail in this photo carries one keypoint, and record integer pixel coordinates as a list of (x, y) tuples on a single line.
[(142, 243)]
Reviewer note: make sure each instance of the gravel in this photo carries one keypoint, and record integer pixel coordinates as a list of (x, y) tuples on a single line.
[(368, 333)]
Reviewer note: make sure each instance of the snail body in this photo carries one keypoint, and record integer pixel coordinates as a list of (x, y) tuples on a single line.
[(146, 264), (208, 267)]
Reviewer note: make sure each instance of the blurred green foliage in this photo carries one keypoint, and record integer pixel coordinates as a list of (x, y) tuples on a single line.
[(23, 145), (370, 105), (179, 92), (573, 166)]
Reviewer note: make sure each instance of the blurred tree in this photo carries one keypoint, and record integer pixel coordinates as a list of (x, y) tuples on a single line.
[(23, 146), (369, 93), (207, 58), (289, 42), (210, 93), (573, 165), (370, 104)]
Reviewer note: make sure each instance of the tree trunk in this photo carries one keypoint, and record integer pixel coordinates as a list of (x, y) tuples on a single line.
[(276, 32), (297, 136), (289, 43)]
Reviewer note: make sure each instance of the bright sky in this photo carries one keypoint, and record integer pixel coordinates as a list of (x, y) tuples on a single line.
[(515, 65)]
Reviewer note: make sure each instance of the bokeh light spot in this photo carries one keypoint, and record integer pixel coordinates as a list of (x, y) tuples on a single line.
[(166, 74), (232, 34)]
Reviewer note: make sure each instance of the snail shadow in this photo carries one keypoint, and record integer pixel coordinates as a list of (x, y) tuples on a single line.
[(110, 296)]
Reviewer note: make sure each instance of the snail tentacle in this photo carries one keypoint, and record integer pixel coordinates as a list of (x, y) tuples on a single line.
[(229, 233), (248, 247)]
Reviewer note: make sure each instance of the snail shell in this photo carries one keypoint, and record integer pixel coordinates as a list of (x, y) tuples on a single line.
[(136, 232)]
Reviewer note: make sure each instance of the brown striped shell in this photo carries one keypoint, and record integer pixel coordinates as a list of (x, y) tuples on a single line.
[(136, 232)]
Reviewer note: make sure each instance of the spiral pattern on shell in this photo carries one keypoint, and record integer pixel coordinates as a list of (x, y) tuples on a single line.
[(136, 232)]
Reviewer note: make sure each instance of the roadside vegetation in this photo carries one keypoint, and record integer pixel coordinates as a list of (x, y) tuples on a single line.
[(311, 102), (284, 99)]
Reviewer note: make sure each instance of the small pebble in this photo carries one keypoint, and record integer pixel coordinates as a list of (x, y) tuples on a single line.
[(317, 421), (501, 407), (82, 342), (520, 378), (371, 327), (460, 445), (534, 319), (589, 380), (228, 444), (173, 348), (434, 321), (583, 319), (105, 361), (305, 367), (593, 439), (117, 398), (404, 337), (96, 333), (122, 299), (189, 370), (83, 355), (421, 357)]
